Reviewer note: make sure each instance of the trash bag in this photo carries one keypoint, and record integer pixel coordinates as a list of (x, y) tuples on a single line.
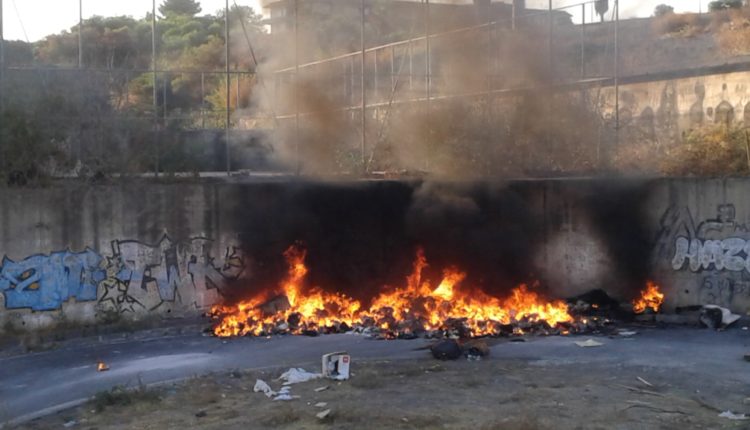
[(446, 350)]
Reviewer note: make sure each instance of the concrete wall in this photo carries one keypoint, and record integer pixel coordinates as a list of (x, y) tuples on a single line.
[(83, 254)]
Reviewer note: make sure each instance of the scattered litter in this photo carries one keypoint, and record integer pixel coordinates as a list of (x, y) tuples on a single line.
[(323, 414), (404, 419), (645, 382), (323, 388), (321, 405), (336, 365), (297, 375), (261, 386), (285, 389), (590, 343), (70, 424), (716, 317), (732, 416), (201, 414), (285, 397), (640, 391), (102, 367), (627, 333)]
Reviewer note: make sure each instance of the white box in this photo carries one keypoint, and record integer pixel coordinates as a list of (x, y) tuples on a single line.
[(336, 365)]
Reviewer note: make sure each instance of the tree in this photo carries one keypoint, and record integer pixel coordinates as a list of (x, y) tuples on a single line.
[(180, 7), (718, 5), (663, 9), (601, 6)]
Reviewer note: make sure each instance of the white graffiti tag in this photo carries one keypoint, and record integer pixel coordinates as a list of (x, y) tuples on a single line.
[(731, 254)]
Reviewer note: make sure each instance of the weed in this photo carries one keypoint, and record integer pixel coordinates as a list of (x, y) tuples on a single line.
[(121, 396)]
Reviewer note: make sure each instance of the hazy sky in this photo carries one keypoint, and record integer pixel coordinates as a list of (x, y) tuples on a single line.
[(43, 17)]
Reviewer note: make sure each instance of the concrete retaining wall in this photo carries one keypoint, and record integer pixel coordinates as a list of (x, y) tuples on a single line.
[(85, 255)]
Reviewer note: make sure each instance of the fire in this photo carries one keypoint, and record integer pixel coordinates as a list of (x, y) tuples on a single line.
[(102, 366), (651, 297), (416, 307)]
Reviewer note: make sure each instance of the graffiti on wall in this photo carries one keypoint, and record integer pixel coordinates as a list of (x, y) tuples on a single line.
[(715, 252), (44, 282), (134, 277)]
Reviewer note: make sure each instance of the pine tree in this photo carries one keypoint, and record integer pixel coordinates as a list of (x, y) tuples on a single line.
[(180, 7)]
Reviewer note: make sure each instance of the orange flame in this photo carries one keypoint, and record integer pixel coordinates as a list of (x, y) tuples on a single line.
[(651, 297), (101, 366), (418, 305)]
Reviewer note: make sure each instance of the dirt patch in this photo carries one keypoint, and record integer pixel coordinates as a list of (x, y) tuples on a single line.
[(427, 394)]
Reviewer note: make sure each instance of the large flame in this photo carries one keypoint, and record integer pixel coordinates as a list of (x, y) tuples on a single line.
[(651, 298), (416, 306)]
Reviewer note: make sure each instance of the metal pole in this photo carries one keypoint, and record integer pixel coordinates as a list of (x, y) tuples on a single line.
[(583, 40), (551, 23), (80, 33), (428, 76), (393, 67), (2, 59), (164, 99), (411, 68), (2, 85), (362, 84), (228, 88), (296, 87), (155, 92), (237, 87), (427, 52), (203, 100), (489, 55), (617, 72)]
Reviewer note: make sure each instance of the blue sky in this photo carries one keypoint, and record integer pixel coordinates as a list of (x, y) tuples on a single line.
[(42, 17)]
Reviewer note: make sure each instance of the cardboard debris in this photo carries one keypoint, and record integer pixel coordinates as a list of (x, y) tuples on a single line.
[(297, 375), (590, 343), (336, 365), (323, 414), (732, 416), (261, 386), (475, 348), (714, 317)]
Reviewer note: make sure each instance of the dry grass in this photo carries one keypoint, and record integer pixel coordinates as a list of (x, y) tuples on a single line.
[(733, 35), (709, 151), (680, 24), (489, 394), (121, 396)]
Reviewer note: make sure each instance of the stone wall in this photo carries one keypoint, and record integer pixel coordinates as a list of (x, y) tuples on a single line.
[(653, 107)]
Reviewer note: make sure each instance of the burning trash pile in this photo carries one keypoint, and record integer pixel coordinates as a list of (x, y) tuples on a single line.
[(420, 308)]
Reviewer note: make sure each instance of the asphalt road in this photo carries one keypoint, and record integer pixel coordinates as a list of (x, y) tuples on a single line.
[(32, 385)]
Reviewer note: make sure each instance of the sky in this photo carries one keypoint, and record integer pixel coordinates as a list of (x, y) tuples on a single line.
[(33, 19)]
